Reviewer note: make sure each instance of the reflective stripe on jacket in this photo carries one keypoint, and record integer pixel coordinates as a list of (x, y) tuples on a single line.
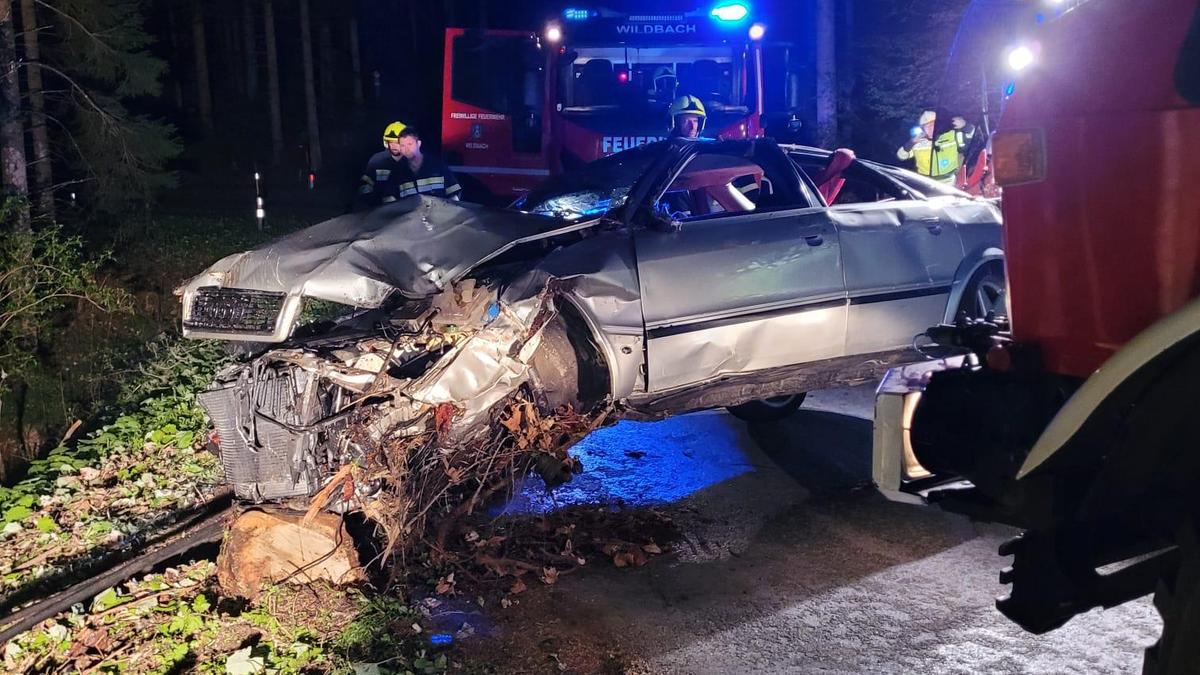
[(936, 159)]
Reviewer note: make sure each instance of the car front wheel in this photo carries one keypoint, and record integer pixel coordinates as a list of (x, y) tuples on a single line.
[(768, 409)]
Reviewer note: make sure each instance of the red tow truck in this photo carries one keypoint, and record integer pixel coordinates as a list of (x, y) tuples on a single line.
[(520, 106), (1077, 417)]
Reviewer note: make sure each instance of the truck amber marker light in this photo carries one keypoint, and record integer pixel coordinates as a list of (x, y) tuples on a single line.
[(1019, 156)]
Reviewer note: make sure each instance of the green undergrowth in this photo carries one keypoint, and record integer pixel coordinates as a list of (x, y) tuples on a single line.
[(177, 621), (157, 406), (135, 464), (105, 493), (88, 353)]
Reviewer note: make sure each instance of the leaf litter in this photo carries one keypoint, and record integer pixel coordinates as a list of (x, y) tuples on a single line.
[(433, 529)]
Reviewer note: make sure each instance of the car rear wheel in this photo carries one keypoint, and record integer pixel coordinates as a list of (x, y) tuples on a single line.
[(985, 293), (768, 409)]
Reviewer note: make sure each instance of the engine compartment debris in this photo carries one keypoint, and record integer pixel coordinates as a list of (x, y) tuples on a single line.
[(416, 422)]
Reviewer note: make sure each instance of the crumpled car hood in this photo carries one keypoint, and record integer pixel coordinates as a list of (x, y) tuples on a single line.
[(416, 246)]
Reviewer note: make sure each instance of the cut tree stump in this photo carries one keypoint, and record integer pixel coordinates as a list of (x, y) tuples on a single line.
[(269, 547)]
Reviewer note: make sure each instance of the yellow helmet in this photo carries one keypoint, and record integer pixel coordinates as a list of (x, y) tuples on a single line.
[(392, 132), (688, 105)]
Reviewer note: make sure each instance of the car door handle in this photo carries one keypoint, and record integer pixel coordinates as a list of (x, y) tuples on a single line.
[(934, 228), (814, 240)]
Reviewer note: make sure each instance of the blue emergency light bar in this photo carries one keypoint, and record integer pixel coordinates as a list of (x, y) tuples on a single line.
[(577, 14), (730, 12)]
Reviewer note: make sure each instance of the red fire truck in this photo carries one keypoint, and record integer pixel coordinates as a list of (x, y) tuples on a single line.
[(1077, 418), (519, 106)]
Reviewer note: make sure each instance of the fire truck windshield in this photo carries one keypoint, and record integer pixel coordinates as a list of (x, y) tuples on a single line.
[(605, 78)]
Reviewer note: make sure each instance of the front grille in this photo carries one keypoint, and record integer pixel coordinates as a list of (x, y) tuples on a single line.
[(234, 310)]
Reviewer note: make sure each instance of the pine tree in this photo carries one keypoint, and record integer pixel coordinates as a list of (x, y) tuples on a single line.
[(273, 83), (96, 53), (310, 95), (356, 63), (901, 69), (42, 172), (250, 49), (12, 131), (200, 49), (827, 99)]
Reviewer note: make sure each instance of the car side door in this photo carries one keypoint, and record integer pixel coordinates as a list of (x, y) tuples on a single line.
[(734, 292), (900, 254)]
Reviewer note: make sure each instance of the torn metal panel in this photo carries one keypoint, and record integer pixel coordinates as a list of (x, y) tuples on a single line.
[(598, 276), (283, 418), (488, 366)]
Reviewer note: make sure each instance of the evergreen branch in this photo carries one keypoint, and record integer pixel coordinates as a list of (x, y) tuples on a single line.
[(96, 37), (80, 89), (71, 137)]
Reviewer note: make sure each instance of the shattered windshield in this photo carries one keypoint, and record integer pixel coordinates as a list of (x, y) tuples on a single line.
[(592, 190)]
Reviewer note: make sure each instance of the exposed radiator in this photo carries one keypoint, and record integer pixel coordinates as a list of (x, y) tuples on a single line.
[(264, 460)]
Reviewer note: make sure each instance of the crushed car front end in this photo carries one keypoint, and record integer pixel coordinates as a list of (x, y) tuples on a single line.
[(421, 352)]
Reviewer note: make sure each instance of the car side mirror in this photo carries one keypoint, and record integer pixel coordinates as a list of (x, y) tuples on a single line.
[(663, 221)]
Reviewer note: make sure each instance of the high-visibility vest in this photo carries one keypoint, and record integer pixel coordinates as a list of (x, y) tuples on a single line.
[(939, 158)]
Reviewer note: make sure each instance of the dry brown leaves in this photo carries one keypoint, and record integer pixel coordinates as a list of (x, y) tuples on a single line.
[(512, 551), (443, 417), (92, 514), (432, 496), (430, 488)]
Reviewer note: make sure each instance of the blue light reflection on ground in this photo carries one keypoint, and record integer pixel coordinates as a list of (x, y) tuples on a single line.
[(682, 456)]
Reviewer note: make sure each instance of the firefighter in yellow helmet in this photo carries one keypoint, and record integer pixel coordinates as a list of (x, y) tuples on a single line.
[(939, 158), (386, 171), (687, 117)]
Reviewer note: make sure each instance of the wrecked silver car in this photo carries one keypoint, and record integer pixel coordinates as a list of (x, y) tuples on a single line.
[(669, 278)]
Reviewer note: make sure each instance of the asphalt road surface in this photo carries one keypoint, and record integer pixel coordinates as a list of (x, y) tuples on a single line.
[(790, 563)]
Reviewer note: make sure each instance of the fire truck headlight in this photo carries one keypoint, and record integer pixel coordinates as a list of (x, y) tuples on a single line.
[(731, 11), (757, 31), (1020, 58), (553, 33)]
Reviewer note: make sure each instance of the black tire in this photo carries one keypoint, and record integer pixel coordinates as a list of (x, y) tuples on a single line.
[(566, 368), (1177, 599), (985, 292), (768, 410)]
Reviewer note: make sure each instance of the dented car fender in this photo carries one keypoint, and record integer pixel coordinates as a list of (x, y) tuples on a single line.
[(597, 278)]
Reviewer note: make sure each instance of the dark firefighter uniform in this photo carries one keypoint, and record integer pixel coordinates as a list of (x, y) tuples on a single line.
[(383, 179), (433, 178)]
